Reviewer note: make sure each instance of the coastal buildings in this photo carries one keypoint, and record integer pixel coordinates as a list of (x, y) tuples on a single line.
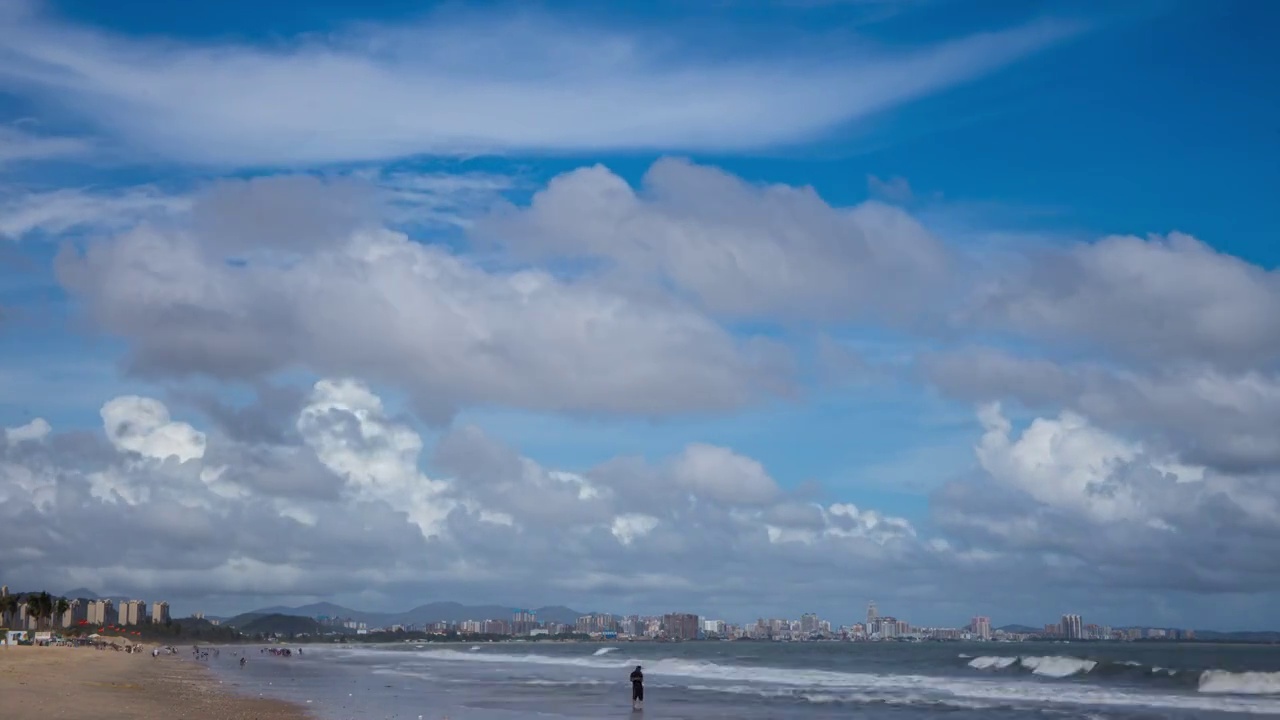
[(1072, 629), (77, 610), (809, 627), (132, 612), (100, 612), (523, 622), (680, 626), (160, 612)]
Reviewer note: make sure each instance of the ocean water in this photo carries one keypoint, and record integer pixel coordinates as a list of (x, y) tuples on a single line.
[(762, 681)]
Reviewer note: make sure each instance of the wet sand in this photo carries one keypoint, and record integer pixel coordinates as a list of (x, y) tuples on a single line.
[(86, 684)]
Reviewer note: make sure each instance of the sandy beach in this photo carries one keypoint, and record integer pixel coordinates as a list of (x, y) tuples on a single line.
[(60, 682)]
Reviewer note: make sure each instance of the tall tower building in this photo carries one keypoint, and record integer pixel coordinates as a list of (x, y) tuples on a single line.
[(872, 614), (100, 611), (981, 627), (133, 612), (160, 612), (77, 610), (1072, 628)]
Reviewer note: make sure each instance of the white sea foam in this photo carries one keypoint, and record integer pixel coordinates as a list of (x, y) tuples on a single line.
[(857, 687), (475, 648), (1130, 663), (986, 662), (1057, 666), (604, 651), (966, 656), (565, 683), (1241, 683), (822, 698)]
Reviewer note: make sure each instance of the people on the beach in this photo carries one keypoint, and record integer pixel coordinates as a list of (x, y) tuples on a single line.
[(637, 687), (242, 661)]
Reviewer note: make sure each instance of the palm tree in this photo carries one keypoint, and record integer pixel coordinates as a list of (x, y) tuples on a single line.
[(46, 608), (8, 610), (60, 609), (33, 608)]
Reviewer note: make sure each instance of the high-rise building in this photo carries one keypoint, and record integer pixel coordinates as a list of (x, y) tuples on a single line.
[(523, 621), (680, 626), (981, 627), (160, 612), (132, 612), (1072, 628), (872, 615), (100, 612), (809, 623), (77, 610)]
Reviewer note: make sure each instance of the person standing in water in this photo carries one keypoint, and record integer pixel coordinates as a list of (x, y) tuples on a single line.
[(637, 688)]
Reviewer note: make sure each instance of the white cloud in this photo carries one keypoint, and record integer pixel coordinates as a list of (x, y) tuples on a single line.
[(373, 303), (57, 212), (630, 526), (142, 425), (220, 521), (345, 425), (457, 85), (1073, 503), (719, 474), (1159, 300), (18, 145), (735, 248), (1202, 415), (33, 431)]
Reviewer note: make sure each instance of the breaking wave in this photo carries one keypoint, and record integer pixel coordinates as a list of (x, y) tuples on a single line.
[(988, 661), (604, 651), (1221, 691), (1240, 683)]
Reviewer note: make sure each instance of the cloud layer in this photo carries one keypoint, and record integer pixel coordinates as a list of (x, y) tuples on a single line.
[(344, 509), (454, 84)]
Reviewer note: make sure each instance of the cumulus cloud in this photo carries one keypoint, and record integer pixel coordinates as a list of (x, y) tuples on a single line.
[(454, 84), (737, 249), (1205, 416), (1159, 300), (209, 514), (350, 510), (1082, 505), (371, 302)]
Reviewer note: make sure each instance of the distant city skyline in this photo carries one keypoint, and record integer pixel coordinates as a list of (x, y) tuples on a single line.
[(1068, 626)]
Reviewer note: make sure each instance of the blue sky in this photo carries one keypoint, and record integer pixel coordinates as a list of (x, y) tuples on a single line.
[(998, 141)]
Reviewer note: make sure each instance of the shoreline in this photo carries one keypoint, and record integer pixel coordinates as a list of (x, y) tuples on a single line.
[(37, 683)]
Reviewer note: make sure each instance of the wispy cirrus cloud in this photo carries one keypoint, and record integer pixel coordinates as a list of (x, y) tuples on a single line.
[(17, 144), (450, 85)]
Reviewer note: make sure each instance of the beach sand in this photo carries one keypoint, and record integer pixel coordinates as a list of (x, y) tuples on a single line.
[(82, 683)]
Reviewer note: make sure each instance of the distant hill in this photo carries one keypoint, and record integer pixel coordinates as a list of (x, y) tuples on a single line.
[(1020, 629), (253, 623), (423, 614), (312, 610)]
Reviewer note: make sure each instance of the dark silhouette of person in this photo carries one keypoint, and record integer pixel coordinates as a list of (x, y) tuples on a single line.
[(637, 686)]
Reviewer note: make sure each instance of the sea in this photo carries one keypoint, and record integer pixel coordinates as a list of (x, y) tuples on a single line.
[(761, 680)]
